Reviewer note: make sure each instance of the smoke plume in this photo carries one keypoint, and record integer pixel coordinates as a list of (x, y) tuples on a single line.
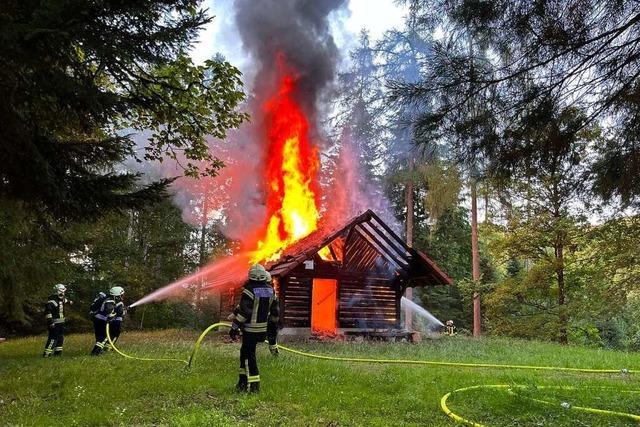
[(297, 29)]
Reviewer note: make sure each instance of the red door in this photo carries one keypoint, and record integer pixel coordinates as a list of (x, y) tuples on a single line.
[(324, 297)]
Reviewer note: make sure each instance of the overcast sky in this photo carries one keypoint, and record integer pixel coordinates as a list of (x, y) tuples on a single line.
[(220, 35)]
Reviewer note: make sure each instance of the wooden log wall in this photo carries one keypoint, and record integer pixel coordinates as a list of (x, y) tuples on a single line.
[(367, 306), (360, 305), (296, 302)]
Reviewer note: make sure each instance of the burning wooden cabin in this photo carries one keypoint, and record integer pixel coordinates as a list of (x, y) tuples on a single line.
[(350, 279)]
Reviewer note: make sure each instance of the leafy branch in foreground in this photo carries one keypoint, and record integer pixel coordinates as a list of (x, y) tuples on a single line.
[(76, 75)]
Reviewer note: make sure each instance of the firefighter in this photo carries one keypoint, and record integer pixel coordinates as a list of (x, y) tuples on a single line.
[(54, 314), (258, 306), (104, 314), (120, 310), (450, 328)]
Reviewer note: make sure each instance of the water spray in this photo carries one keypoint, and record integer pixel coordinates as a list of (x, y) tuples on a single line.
[(432, 322), (219, 274)]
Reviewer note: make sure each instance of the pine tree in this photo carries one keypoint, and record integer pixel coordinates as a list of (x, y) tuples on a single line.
[(78, 77)]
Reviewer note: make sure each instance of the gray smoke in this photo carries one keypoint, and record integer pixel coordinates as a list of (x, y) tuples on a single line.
[(298, 29)]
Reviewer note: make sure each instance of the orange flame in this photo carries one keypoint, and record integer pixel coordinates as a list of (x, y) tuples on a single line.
[(292, 166)]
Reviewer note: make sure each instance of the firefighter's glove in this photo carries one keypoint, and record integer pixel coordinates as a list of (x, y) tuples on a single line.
[(234, 332)]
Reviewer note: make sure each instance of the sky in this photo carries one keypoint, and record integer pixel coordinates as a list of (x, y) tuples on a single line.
[(376, 16)]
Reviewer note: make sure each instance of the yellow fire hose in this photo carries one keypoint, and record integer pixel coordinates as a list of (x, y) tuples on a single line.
[(443, 400)]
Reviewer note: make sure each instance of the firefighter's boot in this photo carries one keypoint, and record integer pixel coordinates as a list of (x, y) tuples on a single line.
[(241, 387), (254, 387), (98, 349)]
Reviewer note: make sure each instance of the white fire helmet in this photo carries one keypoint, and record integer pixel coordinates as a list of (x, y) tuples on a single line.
[(116, 291), (265, 277), (256, 272), (59, 288)]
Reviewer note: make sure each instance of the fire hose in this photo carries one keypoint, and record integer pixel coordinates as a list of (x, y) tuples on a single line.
[(443, 401)]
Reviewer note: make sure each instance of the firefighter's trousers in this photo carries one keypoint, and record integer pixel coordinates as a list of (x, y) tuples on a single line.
[(100, 331), (248, 361), (115, 326), (55, 340), (272, 335)]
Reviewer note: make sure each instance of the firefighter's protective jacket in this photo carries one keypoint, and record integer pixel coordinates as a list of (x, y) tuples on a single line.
[(120, 311), (258, 306), (54, 309), (106, 311)]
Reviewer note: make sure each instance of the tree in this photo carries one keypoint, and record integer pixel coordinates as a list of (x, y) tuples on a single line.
[(141, 250), (29, 266), (584, 52), (78, 74), (449, 245), (548, 190), (359, 119), (458, 59)]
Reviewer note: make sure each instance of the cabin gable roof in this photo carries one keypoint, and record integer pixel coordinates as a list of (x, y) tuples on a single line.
[(368, 243)]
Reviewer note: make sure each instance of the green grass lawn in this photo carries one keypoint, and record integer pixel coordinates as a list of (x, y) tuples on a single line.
[(111, 390)]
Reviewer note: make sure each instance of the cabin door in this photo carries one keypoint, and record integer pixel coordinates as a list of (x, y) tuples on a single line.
[(324, 313)]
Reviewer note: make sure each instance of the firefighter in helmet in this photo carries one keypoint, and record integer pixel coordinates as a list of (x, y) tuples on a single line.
[(54, 314), (103, 315), (258, 307), (120, 310), (450, 328)]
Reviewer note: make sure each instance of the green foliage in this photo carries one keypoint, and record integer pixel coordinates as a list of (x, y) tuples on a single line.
[(601, 284), (77, 78), (497, 59), (77, 74), (192, 103), (359, 119), (141, 250), (448, 243), (443, 187), (30, 264)]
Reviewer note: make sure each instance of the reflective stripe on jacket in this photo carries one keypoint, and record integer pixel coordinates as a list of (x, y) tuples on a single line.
[(120, 311), (258, 306), (107, 310), (54, 309)]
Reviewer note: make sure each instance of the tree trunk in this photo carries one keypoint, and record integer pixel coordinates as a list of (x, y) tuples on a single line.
[(203, 229), (203, 243), (486, 205), (562, 313), (130, 223), (475, 253), (408, 293), (410, 214), (475, 257)]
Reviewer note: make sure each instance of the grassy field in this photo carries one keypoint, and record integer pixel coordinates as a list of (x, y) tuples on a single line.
[(80, 390)]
